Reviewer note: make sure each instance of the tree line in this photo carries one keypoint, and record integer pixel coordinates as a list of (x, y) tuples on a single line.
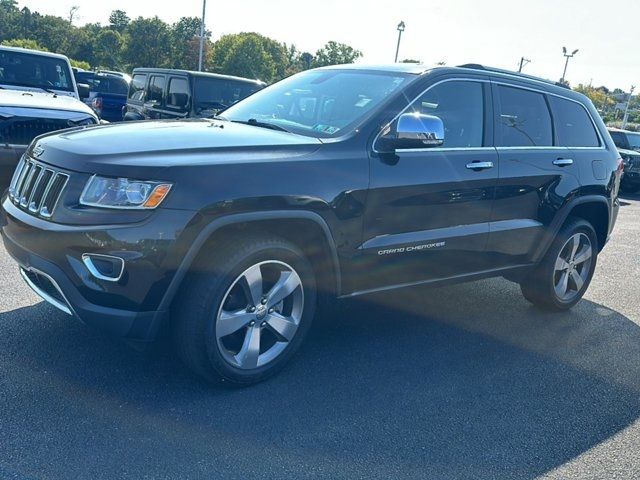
[(127, 43)]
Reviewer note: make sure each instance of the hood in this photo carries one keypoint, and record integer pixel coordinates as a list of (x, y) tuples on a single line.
[(42, 100), (628, 153), (161, 144)]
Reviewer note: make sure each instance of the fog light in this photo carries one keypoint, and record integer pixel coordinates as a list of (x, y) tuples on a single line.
[(104, 267)]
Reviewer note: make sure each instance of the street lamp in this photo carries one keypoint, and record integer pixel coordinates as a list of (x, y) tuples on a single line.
[(204, 9), (566, 63), (401, 27)]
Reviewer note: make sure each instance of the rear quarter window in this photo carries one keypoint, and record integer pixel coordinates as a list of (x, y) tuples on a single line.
[(573, 124), (136, 91)]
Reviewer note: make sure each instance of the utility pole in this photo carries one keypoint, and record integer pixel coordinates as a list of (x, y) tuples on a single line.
[(626, 109), (523, 62), (401, 27), (204, 9), (566, 63)]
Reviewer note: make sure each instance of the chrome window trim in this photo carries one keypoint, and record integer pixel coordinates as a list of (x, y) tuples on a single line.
[(42, 294)]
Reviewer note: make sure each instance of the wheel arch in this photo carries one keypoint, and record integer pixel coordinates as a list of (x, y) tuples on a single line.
[(300, 227), (594, 209)]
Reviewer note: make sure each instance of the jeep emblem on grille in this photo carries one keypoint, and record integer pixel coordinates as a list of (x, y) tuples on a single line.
[(37, 151)]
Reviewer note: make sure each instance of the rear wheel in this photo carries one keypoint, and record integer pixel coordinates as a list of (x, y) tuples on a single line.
[(564, 274), (244, 315)]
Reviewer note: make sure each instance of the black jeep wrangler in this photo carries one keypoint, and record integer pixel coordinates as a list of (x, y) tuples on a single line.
[(335, 182)]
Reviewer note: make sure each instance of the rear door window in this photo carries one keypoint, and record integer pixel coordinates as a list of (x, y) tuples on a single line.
[(136, 91), (156, 89), (178, 93), (523, 119), (574, 127)]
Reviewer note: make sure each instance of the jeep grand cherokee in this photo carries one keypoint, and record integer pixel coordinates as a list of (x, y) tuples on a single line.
[(335, 182)]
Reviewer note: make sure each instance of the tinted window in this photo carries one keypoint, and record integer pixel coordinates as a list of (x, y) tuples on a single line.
[(218, 94), (619, 139), (32, 70), (523, 120), (460, 106), (136, 92), (178, 96), (574, 127), (156, 89), (633, 140), (107, 84)]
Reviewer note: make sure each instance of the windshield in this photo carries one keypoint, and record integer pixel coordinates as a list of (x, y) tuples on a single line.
[(218, 93), (31, 70), (319, 103)]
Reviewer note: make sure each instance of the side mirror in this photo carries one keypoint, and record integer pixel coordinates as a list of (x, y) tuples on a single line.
[(83, 90), (414, 130)]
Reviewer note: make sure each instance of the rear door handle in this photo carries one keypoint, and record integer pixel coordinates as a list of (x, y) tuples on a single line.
[(477, 166), (563, 162)]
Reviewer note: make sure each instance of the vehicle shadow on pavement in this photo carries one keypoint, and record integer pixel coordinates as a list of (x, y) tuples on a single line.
[(467, 381)]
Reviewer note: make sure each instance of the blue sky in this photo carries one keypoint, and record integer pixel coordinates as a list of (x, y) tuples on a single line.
[(493, 32)]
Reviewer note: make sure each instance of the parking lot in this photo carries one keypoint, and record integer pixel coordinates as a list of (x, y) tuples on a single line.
[(467, 381)]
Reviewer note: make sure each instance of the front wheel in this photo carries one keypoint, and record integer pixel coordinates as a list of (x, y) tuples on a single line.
[(564, 274), (246, 311)]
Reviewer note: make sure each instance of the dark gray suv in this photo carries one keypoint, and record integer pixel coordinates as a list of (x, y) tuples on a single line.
[(162, 93)]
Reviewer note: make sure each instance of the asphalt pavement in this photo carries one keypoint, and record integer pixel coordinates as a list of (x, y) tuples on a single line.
[(468, 381)]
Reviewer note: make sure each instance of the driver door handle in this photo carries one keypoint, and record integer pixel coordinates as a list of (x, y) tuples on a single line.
[(477, 166), (563, 162)]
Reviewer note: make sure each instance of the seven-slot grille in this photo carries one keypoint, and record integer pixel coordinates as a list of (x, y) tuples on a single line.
[(37, 188)]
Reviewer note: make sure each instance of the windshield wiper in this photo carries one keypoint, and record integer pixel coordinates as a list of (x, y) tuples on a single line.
[(257, 123)]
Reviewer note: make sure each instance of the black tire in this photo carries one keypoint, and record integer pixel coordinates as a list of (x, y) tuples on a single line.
[(539, 287), (196, 311)]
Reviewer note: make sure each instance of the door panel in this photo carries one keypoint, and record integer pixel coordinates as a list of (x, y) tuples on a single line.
[(428, 216), (428, 213), (529, 191)]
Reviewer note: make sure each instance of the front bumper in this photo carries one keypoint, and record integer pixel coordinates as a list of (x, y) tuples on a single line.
[(50, 259)]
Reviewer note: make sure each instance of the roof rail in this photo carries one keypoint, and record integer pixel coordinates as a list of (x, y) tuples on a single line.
[(477, 66)]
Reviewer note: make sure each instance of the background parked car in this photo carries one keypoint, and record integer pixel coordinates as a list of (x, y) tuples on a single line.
[(162, 93), (38, 94), (107, 93), (628, 144)]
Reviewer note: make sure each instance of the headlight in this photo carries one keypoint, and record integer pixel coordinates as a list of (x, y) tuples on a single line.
[(123, 193)]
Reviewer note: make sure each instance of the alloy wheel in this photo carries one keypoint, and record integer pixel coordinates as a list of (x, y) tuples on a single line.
[(259, 314), (572, 267)]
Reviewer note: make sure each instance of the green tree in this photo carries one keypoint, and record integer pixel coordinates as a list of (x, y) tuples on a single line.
[(107, 47), (118, 20), (147, 43), (334, 53), (23, 43), (185, 50), (249, 55)]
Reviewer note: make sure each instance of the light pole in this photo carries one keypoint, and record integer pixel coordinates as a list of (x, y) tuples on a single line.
[(523, 62), (204, 9), (566, 63), (401, 27), (626, 109)]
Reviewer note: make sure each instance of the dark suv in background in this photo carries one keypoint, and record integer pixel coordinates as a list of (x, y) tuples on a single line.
[(628, 144), (107, 93), (336, 182), (162, 93)]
